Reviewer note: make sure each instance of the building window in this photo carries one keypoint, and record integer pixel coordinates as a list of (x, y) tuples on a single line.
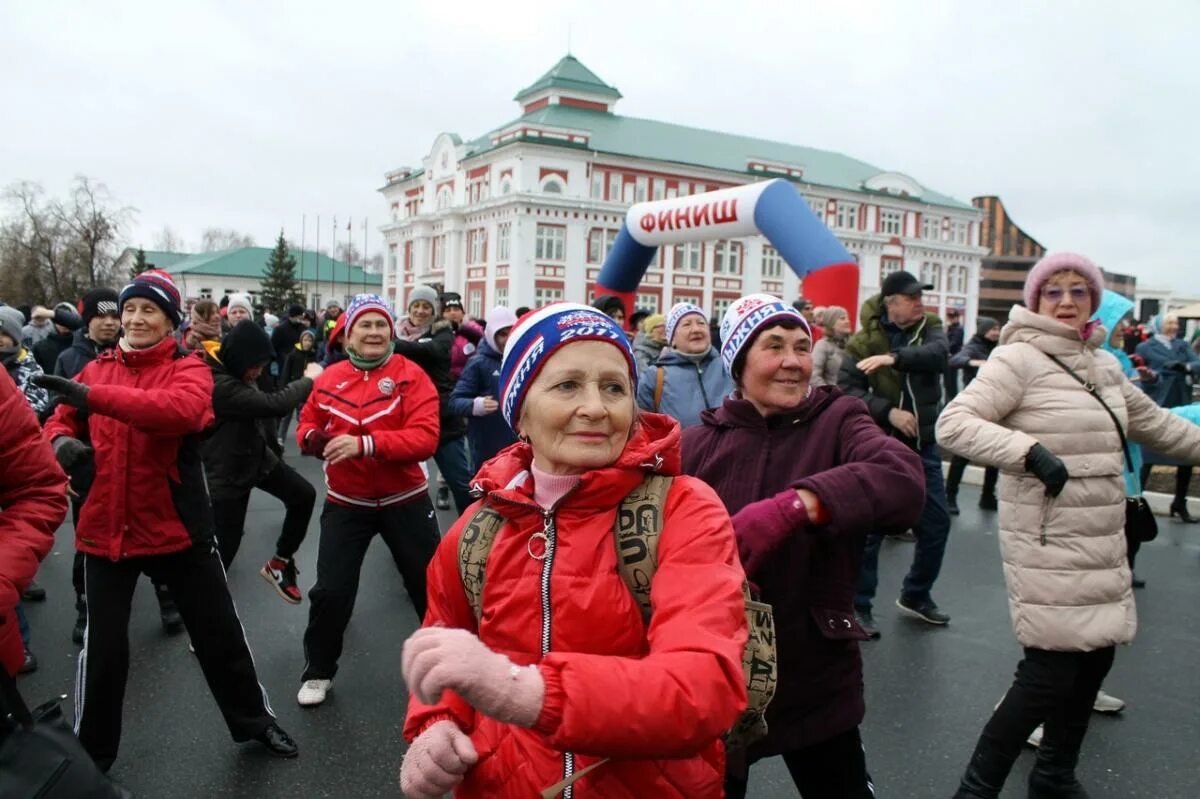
[(600, 241), (614, 187), (544, 296), (552, 187), (206, 294), (503, 237), (393, 260), (956, 279), (818, 207), (720, 305), (958, 231), (597, 185), (444, 198), (887, 265), (642, 191), (502, 295), (648, 302), (656, 188), (551, 243), (932, 274), (931, 228), (475, 303), (506, 186), (627, 192), (689, 257), (477, 246), (772, 263), (727, 258), (691, 299), (437, 253), (891, 221), (847, 216)]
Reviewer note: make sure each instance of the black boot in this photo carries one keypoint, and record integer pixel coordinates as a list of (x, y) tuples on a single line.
[(985, 775), (172, 622), (1053, 776), (952, 504), (80, 620), (1179, 508), (988, 502)]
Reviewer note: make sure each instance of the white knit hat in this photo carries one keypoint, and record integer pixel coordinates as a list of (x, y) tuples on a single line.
[(746, 316), (240, 301), (678, 311)]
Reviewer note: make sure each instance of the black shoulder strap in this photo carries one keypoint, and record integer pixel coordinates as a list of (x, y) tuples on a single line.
[(1091, 389)]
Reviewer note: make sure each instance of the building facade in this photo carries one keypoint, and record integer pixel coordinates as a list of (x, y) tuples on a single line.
[(526, 214)]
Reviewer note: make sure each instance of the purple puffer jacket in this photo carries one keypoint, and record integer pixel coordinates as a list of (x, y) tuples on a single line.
[(866, 481), (466, 339)]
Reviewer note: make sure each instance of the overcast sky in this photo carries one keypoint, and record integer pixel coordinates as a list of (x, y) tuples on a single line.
[(1083, 117)]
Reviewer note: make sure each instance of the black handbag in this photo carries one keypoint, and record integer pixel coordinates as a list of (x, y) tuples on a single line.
[(1140, 524), (40, 755)]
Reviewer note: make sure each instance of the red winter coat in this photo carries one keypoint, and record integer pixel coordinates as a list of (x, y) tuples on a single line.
[(393, 409), (656, 700), (146, 409), (33, 502)]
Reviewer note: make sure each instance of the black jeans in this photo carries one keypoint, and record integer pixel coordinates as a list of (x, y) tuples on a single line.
[(285, 484), (833, 769), (958, 465), (410, 531), (1054, 688), (197, 582)]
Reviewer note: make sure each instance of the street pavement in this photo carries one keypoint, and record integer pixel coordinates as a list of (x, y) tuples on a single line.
[(929, 690)]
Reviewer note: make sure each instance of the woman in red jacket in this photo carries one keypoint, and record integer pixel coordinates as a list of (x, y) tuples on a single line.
[(806, 474), (144, 404), (561, 673), (373, 418)]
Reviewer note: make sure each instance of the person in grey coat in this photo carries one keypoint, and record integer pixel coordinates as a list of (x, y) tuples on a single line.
[(688, 378)]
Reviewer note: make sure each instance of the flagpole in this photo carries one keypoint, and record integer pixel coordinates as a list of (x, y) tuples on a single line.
[(318, 273), (303, 282), (364, 258), (333, 259)]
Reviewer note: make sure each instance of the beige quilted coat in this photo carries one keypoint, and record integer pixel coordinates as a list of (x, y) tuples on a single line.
[(1064, 558)]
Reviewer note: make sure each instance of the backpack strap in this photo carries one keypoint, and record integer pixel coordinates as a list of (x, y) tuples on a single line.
[(636, 530), (659, 379), (474, 545)]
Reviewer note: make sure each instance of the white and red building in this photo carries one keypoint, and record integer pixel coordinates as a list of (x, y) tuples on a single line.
[(525, 214)]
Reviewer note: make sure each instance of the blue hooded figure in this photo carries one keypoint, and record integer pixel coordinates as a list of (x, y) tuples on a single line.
[(1115, 313)]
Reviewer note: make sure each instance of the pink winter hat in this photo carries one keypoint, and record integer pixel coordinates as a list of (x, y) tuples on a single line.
[(1054, 263)]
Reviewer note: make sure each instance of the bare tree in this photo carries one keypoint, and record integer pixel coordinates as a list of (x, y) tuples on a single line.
[(347, 253), (94, 226), (168, 240), (217, 238), (39, 237)]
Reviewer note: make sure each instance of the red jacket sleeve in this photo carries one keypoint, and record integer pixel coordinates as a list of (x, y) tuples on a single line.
[(448, 607), (690, 688), (33, 495), (416, 439), (184, 406)]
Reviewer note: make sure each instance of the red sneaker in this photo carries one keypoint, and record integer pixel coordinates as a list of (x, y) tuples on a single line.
[(282, 575)]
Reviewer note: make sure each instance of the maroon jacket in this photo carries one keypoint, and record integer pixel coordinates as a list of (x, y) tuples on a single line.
[(866, 481)]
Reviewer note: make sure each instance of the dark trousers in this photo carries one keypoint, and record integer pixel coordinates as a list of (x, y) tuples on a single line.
[(285, 484), (932, 529), (451, 460), (197, 582), (1054, 688), (958, 465), (410, 531), (1183, 477), (833, 769)]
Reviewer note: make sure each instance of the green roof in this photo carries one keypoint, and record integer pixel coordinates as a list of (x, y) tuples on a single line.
[(161, 259), (663, 141), (250, 262), (571, 75)]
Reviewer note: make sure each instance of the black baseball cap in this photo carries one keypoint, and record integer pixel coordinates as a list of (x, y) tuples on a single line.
[(903, 283)]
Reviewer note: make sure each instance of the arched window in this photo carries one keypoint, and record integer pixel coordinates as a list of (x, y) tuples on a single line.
[(444, 198), (552, 187), (506, 186)]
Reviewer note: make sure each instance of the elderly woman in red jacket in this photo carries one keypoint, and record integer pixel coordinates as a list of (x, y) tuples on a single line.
[(145, 403), (806, 474), (560, 673)]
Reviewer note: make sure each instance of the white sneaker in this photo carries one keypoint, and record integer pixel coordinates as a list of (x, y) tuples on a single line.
[(1035, 737), (1107, 703), (312, 692)]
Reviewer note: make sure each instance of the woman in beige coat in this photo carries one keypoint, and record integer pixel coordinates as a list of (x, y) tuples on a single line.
[(1062, 513)]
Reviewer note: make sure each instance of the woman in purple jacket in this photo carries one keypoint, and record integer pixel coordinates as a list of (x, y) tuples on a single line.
[(806, 474)]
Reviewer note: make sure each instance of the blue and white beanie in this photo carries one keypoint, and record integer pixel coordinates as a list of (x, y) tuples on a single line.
[(537, 335), (678, 311), (748, 315), (369, 303)]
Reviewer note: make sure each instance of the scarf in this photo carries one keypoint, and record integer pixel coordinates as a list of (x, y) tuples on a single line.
[(410, 332), (366, 365)]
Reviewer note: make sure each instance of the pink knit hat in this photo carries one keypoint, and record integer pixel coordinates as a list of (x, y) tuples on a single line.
[(1054, 263)]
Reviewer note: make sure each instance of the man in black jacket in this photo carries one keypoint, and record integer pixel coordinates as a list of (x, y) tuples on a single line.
[(895, 363), (66, 322), (969, 359), (241, 452), (286, 335)]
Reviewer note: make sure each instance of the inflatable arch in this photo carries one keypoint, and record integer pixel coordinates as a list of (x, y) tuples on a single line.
[(773, 209)]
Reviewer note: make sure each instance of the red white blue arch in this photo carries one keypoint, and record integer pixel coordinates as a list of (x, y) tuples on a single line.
[(773, 209)]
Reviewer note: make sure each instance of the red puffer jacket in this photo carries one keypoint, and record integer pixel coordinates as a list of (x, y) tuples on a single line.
[(656, 700), (393, 410), (33, 502), (146, 409)]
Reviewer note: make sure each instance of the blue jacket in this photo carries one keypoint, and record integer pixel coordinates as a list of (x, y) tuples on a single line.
[(481, 378), (688, 389), (1113, 308), (1172, 387)]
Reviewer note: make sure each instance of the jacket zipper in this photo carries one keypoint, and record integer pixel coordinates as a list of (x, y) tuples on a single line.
[(551, 534)]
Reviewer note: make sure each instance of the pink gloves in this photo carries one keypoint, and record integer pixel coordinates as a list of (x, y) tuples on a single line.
[(436, 761), (439, 658)]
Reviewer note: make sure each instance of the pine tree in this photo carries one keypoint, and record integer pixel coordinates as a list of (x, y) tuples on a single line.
[(279, 286), (139, 263)]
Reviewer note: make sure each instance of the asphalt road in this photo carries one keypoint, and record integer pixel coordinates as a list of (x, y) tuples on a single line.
[(929, 690)]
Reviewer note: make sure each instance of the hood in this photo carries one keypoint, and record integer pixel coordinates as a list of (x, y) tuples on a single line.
[(486, 349), (497, 319), (871, 311), (736, 412), (670, 357), (653, 447), (1048, 335), (1113, 307), (245, 347), (646, 344)]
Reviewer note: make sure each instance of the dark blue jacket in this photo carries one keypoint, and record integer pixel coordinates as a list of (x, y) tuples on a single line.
[(481, 378), (1173, 365)]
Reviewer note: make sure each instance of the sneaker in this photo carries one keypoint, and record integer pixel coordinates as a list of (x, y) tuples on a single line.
[(277, 742), (282, 575), (867, 621), (172, 622), (313, 692), (952, 506), (443, 498), (30, 664), (34, 593), (988, 502), (1107, 703), (926, 610), (1035, 737)]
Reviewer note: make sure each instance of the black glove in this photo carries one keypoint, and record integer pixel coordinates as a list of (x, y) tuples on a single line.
[(1177, 366), (71, 392), (70, 452), (1047, 467)]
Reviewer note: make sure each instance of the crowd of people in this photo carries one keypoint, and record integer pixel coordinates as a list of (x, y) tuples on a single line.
[(628, 486)]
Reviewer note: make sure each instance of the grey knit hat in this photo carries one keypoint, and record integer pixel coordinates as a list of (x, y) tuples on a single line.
[(428, 295), (11, 322)]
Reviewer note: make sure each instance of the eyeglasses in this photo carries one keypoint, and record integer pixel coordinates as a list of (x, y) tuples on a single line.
[(1055, 293)]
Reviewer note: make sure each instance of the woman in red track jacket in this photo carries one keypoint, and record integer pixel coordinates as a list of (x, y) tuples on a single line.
[(373, 418)]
